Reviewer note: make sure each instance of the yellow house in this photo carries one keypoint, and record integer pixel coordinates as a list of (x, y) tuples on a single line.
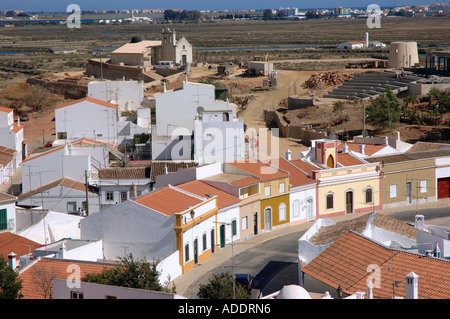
[(346, 183), (407, 178), (274, 190)]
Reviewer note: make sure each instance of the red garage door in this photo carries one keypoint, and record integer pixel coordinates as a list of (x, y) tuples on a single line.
[(443, 187)]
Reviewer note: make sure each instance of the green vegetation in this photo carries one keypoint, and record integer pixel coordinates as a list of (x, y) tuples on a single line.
[(132, 273), (384, 111), (220, 286), (10, 285)]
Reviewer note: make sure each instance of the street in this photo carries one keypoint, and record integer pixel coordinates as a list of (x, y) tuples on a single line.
[(273, 263)]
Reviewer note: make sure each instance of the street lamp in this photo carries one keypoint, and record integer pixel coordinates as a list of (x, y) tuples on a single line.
[(192, 213), (339, 292)]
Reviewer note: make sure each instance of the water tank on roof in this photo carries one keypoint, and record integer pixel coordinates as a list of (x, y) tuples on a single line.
[(136, 39)]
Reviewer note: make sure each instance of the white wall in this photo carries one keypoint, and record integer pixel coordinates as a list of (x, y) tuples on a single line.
[(306, 250), (61, 290), (10, 216), (178, 108), (86, 119), (128, 95), (302, 195), (70, 162)]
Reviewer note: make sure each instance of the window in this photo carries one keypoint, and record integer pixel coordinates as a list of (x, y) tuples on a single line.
[(3, 219), (329, 203), (267, 190), (296, 208), (123, 196), (282, 212), (244, 223), (71, 206), (109, 195), (186, 253), (205, 246), (234, 227), (369, 195), (76, 295), (423, 186), (282, 188), (393, 190), (62, 135)]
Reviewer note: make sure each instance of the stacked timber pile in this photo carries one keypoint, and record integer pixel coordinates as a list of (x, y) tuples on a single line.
[(327, 79)]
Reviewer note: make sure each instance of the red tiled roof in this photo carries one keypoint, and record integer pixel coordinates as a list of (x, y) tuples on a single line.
[(345, 262), (304, 166), (346, 159), (201, 189), (297, 177), (168, 200), (259, 169), (42, 272), (87, 99), (81, 141), (19, 245), (369, 149), (5, 109)]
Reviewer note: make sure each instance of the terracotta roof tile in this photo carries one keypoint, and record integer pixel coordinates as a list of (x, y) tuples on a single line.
[(35, 275), (64, 182), (346, 159), (136, 172), (202, 189), (328, 234), (5, 109), (345, 262), (168, 200), (306, 167), (297, 177), (260, 169), (427, 146), (19, 245), (87, 99), (157, 167), (369, 149)]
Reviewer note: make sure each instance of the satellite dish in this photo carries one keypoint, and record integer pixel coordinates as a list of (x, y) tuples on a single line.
[(200, 110)]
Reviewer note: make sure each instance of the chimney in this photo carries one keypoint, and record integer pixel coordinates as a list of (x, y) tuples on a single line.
[(369, 289), (367, 39), (437, 251), (345, 148), (412, 286), (12, 262), (419, 222), (362, 148), (288, 155)]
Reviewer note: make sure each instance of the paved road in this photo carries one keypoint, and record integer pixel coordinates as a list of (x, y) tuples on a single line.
[(272, 257)]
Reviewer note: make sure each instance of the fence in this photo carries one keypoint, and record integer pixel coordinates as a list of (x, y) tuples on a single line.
[(304, 133)]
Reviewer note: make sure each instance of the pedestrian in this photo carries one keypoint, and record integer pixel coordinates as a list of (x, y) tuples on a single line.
[(79, 211), (83, 212)]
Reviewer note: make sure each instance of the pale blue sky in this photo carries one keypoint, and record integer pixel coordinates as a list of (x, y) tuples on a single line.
[(61, 5)]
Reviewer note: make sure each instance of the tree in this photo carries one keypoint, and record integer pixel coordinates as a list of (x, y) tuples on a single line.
[(9, 283), (384, 111), (268, 14), (313, 15), (131, 273), (220, 286), (38, 98)]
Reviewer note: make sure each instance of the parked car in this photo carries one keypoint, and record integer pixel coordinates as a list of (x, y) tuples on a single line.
[(24, 117), (164, 65), (245, 280)]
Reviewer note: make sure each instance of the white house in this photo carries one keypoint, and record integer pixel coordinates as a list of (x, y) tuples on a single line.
[(127, 95), (218, 137), (11, 138), (119, 184), (52, 227), (302, 191), (176, 111), (63, 195), (8, 164), (73, 160), (88, 117), (89, 290), (351, 45), (7, 212), (167, 225)]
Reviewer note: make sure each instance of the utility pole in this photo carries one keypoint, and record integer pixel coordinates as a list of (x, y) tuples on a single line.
[(87, 193)]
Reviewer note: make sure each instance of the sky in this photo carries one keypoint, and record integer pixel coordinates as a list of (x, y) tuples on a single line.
[(61, 5)]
